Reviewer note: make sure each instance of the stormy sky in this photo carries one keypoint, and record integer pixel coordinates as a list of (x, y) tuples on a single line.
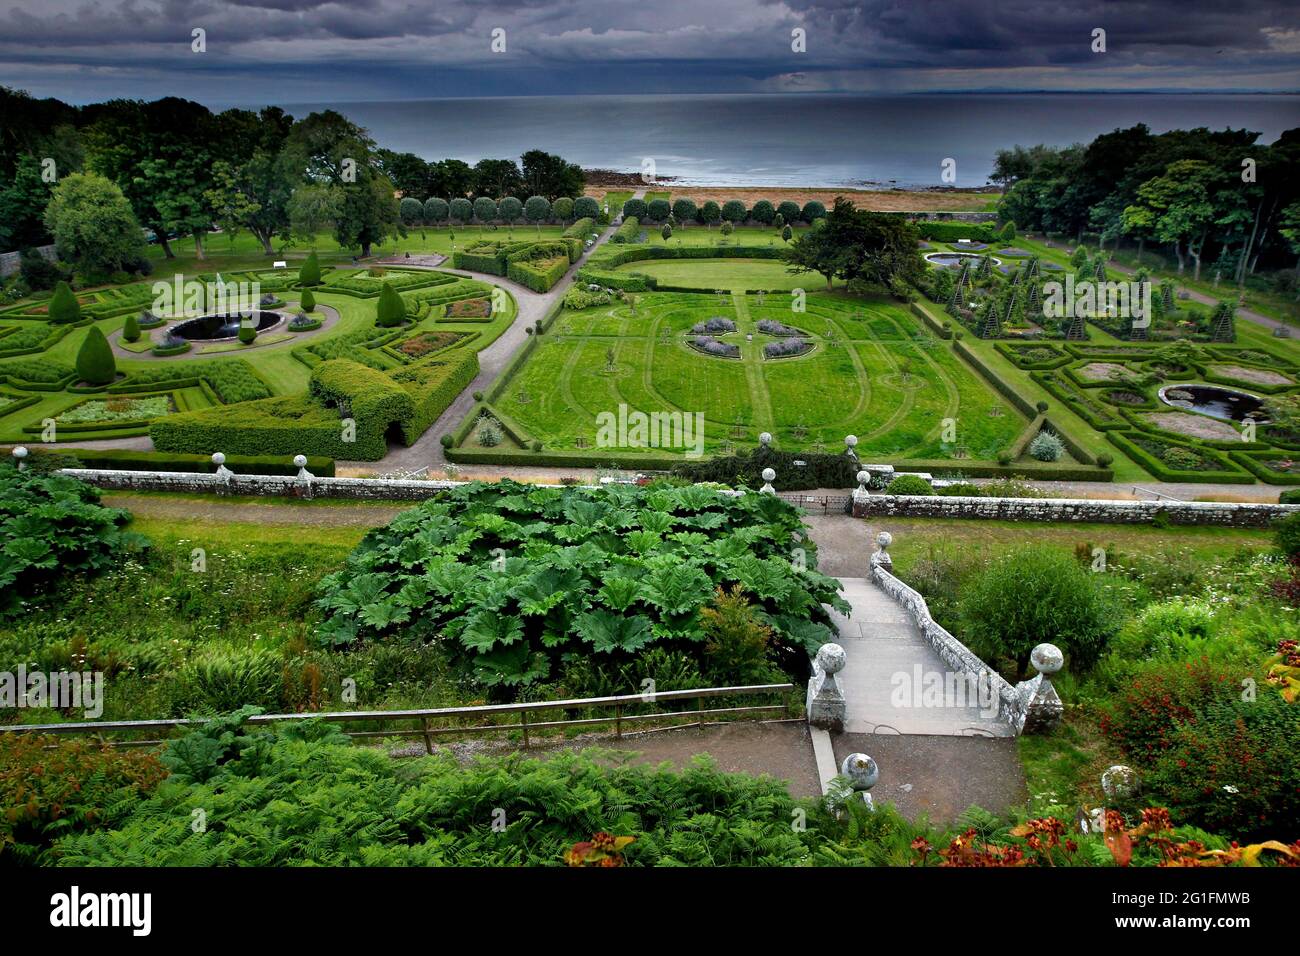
[(291, 51)]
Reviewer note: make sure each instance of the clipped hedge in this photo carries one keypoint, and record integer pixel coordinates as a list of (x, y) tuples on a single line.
[(373, 398), (746, 468), (933, 324), (285, 425), (1228, 474), (581, 229), (952, 231), (540, 275), (1005, 390), (627, 232), (433, 386)]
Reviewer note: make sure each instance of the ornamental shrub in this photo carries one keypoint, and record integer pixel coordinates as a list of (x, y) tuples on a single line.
[(812, 211), (460, 210), (727, 228), (666, 232), (309, 273), (307, 301), (131, 329), (1286, 532), (763, 212), (435, 209), (790, 212), (95, 362), (710, 213), (391, 310), (685, 210), (64, 307), (1046, 447), (562, 209), (485, 209), (411, 210), (909, 485), (1234, 768), (1008, 233), (489, 434), (1036, 595), (585, 207), (634, 209), (247, 334), (734, 211), (537, 209), (510, 209), (658, 210)]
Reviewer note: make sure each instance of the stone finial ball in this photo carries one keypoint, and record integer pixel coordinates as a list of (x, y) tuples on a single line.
[(884, 539), (864, 477), (861, 771), (300, 461), (851, 440), (218, 458), (20, 452), (1120, 782), (831, 658), (1047, 658), (765, 438), (769, 474)]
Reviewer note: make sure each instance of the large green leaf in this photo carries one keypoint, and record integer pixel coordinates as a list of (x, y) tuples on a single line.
[(488, 629), (677, 589), (613, 632)]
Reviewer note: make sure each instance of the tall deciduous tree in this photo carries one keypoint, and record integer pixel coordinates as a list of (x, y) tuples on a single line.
[(93, 226)]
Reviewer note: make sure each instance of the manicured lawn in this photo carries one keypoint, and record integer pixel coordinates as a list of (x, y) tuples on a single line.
[(874, 372), (739, 274)]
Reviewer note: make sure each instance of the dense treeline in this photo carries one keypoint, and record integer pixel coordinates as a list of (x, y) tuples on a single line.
[(1221, 199), (177, 169)]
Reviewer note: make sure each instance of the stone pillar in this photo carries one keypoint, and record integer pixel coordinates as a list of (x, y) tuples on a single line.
[(860, 495), (881, 558), (1042, 705), (769, 476), (826, 704), (223, 474), (19, 454)]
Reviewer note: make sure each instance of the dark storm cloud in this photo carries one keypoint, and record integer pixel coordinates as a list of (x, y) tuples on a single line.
[(365, 49)]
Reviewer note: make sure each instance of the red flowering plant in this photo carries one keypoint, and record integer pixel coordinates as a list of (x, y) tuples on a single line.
[(1163, 697), (601, 850), (1284, 668)]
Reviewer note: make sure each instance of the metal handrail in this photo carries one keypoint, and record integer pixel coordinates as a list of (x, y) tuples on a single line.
[(424, 715)]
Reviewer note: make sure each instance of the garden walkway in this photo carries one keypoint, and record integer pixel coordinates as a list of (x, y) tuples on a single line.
[(888, 665)]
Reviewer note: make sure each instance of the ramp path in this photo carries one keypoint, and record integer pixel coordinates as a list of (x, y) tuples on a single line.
[(894, 682)]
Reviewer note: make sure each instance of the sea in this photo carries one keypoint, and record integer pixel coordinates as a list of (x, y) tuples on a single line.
[(810, 140)]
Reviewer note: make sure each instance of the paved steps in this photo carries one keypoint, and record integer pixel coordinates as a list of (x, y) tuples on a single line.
[(889, 665)]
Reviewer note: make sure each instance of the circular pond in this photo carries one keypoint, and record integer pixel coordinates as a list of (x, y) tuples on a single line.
[(207, 328), (1226, 404), (949, 259)]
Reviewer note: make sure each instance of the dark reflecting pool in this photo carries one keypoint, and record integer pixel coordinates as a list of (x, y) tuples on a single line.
[(950, 259), (223, 326), (1225, 403)]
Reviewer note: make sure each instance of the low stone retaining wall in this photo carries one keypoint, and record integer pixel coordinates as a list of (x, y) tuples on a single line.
[(1225, 514), (362, 489), (11, 262)]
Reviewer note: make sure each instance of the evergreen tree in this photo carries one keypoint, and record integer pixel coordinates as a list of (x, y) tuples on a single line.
[(64, 307), (95, 362)]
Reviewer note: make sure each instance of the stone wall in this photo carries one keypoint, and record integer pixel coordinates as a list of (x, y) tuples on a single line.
[(954, 654), (1226, 514), (10, 261), (362, 489)]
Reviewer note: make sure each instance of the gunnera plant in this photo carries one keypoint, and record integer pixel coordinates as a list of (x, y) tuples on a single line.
[(1046, 447)]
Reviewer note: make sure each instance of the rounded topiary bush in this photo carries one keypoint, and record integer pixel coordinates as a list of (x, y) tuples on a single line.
[(1105, 461), (1046, 447), (64, 307), (1034, 595), (391, 310), (309, 274), (909, 485), (247, 334), (95, 362), (445, 441)]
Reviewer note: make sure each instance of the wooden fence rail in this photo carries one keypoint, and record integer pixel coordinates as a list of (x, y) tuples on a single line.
[(426, 731)]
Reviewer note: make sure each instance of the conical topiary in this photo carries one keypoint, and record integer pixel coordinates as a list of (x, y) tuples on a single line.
[(309, 274), (308, 301), (95, 362), (392, 310), (131, 329), (64, 307)]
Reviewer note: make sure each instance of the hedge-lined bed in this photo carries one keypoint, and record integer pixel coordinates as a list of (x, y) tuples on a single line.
[(117, 459)]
